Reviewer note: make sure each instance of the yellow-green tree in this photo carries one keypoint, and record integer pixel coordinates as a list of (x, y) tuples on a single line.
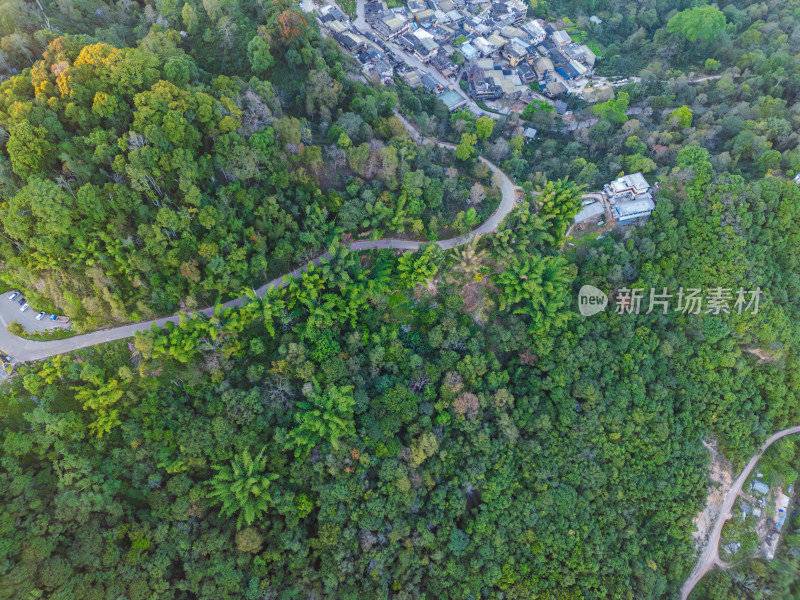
[(705, 23), (538, 287), (614, 110), (559, 202), (681, 117), (484, 127), (466, 149)]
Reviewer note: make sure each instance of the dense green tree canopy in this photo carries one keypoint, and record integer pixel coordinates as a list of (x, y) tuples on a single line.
[(388, 424), (705, 23)]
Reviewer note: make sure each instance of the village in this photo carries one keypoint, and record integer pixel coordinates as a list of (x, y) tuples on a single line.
[(759, 516), (486, 56), (492, 59)]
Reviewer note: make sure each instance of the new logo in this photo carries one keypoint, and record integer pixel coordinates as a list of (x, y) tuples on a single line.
[(591, 301)]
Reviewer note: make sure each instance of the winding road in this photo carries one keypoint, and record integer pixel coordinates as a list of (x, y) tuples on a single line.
[(23, 350), (710, 556)]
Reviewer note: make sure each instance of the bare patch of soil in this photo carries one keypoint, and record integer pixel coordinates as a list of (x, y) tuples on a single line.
[(581, 230), (474, 295), (765, 356), (427, 289), (720, 474)]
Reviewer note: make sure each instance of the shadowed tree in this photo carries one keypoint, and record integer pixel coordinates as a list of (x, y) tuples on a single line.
[(468, 259)]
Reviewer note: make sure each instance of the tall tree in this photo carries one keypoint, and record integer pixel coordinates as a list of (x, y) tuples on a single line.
[(242, 487), (705, 23)]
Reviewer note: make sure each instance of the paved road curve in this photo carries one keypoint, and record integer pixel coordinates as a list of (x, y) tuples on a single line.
[(25, 350), (710, 556)]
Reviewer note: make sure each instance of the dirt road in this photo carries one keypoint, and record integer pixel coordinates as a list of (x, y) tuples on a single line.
[(710, 556)]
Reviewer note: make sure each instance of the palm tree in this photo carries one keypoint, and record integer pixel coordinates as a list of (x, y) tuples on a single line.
[(325, 417), (305, 290), (242, 487), (538, 287), (469, 258), (337, 268), (560, 200), (415, 267), (526, 229)]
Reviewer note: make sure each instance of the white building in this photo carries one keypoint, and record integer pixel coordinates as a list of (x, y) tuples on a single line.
[(580, 68), (627, 186), (561, 38), (484, 46), (630, 197), (536, 32)]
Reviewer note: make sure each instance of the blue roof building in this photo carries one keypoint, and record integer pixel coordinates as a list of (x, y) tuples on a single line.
[(453, 100), (468, 50), (638, 208)]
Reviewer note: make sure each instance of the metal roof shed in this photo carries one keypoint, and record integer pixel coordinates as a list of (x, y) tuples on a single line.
[(561, 38), (638, 181), (453, 100), (590, 212), (635, 209)]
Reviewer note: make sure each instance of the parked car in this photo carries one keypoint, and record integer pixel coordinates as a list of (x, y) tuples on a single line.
[(40, 316), (25, 307), (21, 301), (13, 296), (53, 317), (5, 357)]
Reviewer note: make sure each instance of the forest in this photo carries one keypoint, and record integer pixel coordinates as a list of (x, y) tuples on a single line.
[(137, 184), (761, 578), (734, 94), (404, 425)]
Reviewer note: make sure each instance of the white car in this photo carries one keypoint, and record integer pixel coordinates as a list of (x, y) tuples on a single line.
[(25, 307), (40, 316), (13, 296)]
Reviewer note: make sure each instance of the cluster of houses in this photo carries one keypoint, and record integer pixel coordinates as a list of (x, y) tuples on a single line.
[(769, 535), (492, 46), (526, 51), (371, 47), (761, 489)]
